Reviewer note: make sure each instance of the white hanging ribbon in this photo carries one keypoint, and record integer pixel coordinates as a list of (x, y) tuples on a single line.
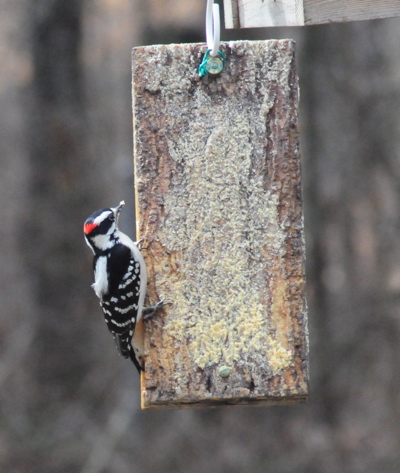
[(213, 27)]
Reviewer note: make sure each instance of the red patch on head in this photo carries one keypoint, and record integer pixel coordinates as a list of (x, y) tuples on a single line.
[(88, 227)]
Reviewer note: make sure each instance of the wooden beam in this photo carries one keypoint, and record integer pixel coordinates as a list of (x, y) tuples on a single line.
[(328, 11), (218, 190), (262, 13)]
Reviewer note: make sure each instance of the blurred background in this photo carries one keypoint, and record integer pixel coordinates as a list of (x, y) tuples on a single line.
[(69, 404)]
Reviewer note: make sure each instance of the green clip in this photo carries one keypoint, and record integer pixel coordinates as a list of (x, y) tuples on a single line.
[(212, 65)]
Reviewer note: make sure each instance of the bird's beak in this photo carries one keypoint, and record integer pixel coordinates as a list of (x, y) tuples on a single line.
[(118, 209)]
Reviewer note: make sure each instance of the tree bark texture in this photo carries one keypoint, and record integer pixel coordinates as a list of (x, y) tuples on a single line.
[(219, 204)]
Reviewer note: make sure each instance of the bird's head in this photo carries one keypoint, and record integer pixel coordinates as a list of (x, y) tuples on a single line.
[(100, 228)]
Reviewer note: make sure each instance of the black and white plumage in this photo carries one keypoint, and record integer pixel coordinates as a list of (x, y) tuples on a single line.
[(120, 280)]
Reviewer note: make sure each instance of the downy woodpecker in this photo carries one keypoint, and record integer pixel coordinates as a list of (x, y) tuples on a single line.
[(120, 280)]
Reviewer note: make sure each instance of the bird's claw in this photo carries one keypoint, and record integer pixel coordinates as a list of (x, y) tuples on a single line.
[(150, 311)]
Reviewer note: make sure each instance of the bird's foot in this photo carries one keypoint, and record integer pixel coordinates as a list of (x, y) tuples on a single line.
[(139, 244), (150, 311)]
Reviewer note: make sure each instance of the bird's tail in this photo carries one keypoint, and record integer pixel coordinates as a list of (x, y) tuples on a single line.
[(125, 348)]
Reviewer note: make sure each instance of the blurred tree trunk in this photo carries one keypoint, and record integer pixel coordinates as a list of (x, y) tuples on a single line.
[(57, 184), (351, 174), (70, 172), (61, 188)]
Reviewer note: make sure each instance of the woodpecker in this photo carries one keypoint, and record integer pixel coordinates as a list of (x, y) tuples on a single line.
[(120, 281)]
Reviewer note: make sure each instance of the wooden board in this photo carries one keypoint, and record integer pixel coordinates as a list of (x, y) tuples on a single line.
[(265, 13), (219, 203)]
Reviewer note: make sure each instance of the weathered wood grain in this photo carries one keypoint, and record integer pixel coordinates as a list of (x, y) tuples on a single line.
[(257, 13), (328, 11), (219, 203)]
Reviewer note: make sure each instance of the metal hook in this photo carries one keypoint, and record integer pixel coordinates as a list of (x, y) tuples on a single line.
[(213, 27)]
